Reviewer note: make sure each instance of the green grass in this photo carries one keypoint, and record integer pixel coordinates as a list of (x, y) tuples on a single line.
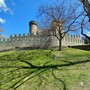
[(45, 70)]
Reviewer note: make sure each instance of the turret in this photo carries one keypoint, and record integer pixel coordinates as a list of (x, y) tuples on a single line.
[(33, 27)]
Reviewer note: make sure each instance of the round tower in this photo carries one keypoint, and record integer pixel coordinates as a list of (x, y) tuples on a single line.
[(33, 27)]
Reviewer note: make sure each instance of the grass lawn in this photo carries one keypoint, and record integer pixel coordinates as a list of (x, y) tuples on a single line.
[(45, 70)]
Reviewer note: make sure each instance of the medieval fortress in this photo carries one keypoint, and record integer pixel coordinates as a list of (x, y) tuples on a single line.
[(38, 39)]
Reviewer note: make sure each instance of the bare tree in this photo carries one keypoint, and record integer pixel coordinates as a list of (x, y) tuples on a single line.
[(86, 6), (85, 26), (62, 17)]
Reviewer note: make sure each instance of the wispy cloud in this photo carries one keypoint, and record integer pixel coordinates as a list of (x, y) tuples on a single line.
[(2, 21), (4, 7)]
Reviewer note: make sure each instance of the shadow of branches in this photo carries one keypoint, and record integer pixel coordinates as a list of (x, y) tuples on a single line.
[(15, 73)]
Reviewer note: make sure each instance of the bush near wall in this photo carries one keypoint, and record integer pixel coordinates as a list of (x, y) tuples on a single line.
[(83, 47)]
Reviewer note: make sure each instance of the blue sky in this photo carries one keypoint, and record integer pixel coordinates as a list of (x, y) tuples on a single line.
[(15, 15)]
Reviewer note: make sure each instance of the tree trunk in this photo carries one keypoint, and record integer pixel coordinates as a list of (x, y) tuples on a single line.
[(88, 37), (60, 44)]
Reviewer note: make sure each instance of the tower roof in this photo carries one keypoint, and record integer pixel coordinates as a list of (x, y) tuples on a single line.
[(33, 22)]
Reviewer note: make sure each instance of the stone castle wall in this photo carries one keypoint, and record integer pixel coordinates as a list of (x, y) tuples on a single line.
[(38, 39)]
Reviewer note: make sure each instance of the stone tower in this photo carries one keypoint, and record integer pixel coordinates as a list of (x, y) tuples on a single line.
[(33, 27)]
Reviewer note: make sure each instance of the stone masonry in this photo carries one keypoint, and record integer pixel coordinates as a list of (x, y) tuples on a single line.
[(38, 39)]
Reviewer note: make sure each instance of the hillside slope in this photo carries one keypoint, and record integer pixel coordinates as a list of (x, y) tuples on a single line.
[(45, 70)]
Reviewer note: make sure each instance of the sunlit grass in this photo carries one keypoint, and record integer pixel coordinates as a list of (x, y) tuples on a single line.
[(54, 70)]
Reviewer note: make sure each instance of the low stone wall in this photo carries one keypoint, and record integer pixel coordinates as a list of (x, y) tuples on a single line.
[(82, 47)]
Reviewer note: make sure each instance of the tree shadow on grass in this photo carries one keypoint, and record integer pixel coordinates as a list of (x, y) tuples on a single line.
[(82, 47), (16, 75)]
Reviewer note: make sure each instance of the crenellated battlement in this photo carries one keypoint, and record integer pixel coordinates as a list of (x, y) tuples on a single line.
[(73, 36), (38, 38), (19, 35), (28, 37)]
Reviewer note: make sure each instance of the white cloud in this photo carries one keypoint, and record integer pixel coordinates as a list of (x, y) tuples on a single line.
[(2, 21), (4, 7)]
